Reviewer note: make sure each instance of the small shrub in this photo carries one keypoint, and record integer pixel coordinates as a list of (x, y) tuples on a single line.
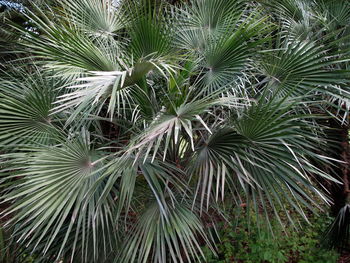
[(255, 243)]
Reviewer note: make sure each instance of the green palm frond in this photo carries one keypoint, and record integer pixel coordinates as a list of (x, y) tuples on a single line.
[(333, 14), (163, 182), (52, 201), (292, 9), (295, 16), (95, 17), (224, 42), (136, 123), (170, 126), (70, 52), (174, 238), (101, 69), (302, 67), (150, 36), (203, 20), (228, 57), (245, 149), (25, 112)]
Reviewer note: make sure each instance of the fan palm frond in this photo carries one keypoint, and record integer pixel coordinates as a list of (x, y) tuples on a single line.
[(135, 121), (302, 68), (228, 57), (295, 16), (201, 20), (238, 157), (25, 107), (96, 17), (174, 237), (52, 201)]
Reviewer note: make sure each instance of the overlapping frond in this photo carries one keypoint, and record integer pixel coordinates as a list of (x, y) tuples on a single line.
[(52, 203), (96, 17), (202, 21), (228, 57), (25, 107), (146, 117), (171, 127), (296, 17), (301, 68), (266, 149), (174, 238)]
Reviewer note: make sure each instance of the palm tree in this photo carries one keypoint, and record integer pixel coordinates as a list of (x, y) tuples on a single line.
[(135, 125)]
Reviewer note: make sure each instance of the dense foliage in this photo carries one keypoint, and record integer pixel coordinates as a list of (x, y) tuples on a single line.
[(243, 241), (128, 130)]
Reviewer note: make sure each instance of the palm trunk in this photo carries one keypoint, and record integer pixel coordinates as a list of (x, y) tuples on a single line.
[(338, 233), (340, 193)]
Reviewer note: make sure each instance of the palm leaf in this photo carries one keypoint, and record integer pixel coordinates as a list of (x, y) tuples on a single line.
[(301, 68), (51, 204), (245, 149), (173, 238), (25, 111), (96, 17), (201, 20)]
